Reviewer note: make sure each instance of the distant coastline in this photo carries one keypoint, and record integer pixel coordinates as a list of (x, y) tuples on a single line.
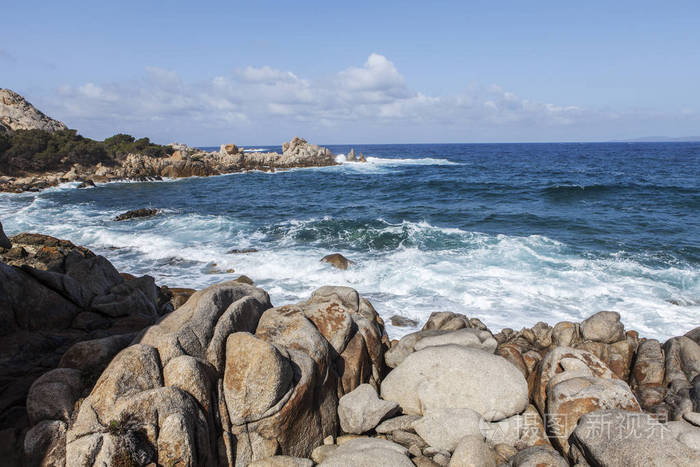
[(660, 139)]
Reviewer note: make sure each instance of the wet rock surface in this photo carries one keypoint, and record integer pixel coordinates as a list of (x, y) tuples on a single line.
[(136, 213), (337, 260)]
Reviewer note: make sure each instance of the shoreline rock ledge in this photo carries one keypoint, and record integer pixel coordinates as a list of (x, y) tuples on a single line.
[(229, 379)]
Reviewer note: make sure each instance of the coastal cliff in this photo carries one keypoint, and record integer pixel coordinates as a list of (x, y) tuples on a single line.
[(102, 368)]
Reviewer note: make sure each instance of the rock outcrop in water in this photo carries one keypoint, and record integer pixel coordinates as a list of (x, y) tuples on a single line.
[(337, 261), (351, 157), (136, 214), (184, 162), (229, 379), (230, 158), (16, 113)]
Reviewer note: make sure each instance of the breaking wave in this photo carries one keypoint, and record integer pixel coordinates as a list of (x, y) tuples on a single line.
[(406, 268)]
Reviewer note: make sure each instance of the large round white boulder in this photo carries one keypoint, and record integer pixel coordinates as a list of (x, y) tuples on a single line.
[(454, 376)]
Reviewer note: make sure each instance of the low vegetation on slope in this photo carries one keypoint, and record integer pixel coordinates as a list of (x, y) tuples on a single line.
[(32, 151)]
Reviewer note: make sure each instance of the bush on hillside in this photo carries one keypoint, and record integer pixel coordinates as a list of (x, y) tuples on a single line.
[(5, 142), (119, 145), (40, 151)]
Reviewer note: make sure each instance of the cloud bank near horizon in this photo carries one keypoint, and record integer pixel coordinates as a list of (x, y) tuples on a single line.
[(367, 103)]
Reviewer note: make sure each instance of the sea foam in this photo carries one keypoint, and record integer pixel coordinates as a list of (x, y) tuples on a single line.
[(394, 162), (410, 268)]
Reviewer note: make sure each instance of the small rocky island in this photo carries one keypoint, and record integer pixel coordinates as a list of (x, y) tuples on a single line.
[(30, 160), (101, 368)]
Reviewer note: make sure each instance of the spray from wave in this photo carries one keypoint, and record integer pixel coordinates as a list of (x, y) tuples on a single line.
[(393, 162), (408, 268)]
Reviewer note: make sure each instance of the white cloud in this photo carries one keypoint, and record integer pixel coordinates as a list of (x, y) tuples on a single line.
[(377, 81), (268, 102), (265, 74), (91, 91)]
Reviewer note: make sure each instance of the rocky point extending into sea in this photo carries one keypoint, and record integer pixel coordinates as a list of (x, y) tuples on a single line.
[(184, 162), (102, 368)]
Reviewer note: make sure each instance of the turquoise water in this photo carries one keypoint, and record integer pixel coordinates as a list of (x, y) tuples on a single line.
[(510, 233)]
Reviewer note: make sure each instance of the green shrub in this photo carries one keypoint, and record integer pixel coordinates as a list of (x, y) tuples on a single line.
[(118, 146), (5, 141), (40, 151)]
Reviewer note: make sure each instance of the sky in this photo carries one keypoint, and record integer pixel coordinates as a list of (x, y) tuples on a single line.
[(206, 73)]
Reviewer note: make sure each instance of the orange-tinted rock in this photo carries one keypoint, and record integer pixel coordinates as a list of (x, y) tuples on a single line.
[(569, 400), (550, 367), (511, 353), (256, 377)]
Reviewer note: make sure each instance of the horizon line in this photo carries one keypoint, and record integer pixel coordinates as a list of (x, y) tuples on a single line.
[(631, 141)]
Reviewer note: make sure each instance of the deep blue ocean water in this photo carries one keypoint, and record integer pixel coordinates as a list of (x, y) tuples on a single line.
[(509, 233)]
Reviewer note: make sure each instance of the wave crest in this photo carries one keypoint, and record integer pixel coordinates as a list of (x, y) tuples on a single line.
[(394, 162)]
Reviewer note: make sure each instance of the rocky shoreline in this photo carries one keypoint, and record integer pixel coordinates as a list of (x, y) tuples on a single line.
[(103, 368), (183, 162), (17, 115)]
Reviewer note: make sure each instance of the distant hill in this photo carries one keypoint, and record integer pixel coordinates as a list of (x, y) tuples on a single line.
[(661, 139), (16, 113)]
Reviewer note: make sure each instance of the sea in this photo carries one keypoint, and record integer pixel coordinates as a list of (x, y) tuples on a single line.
[(511, 234)]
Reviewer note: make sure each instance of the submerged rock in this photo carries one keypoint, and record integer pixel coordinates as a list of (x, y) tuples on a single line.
[(136, 213), (402, 321), (337, 260), (238, 251), (87, 184)]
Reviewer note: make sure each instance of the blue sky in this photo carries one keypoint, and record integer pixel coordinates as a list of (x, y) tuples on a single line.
[(359, 72)]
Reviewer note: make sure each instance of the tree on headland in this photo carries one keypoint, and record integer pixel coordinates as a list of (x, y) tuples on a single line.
[(32, 151)]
